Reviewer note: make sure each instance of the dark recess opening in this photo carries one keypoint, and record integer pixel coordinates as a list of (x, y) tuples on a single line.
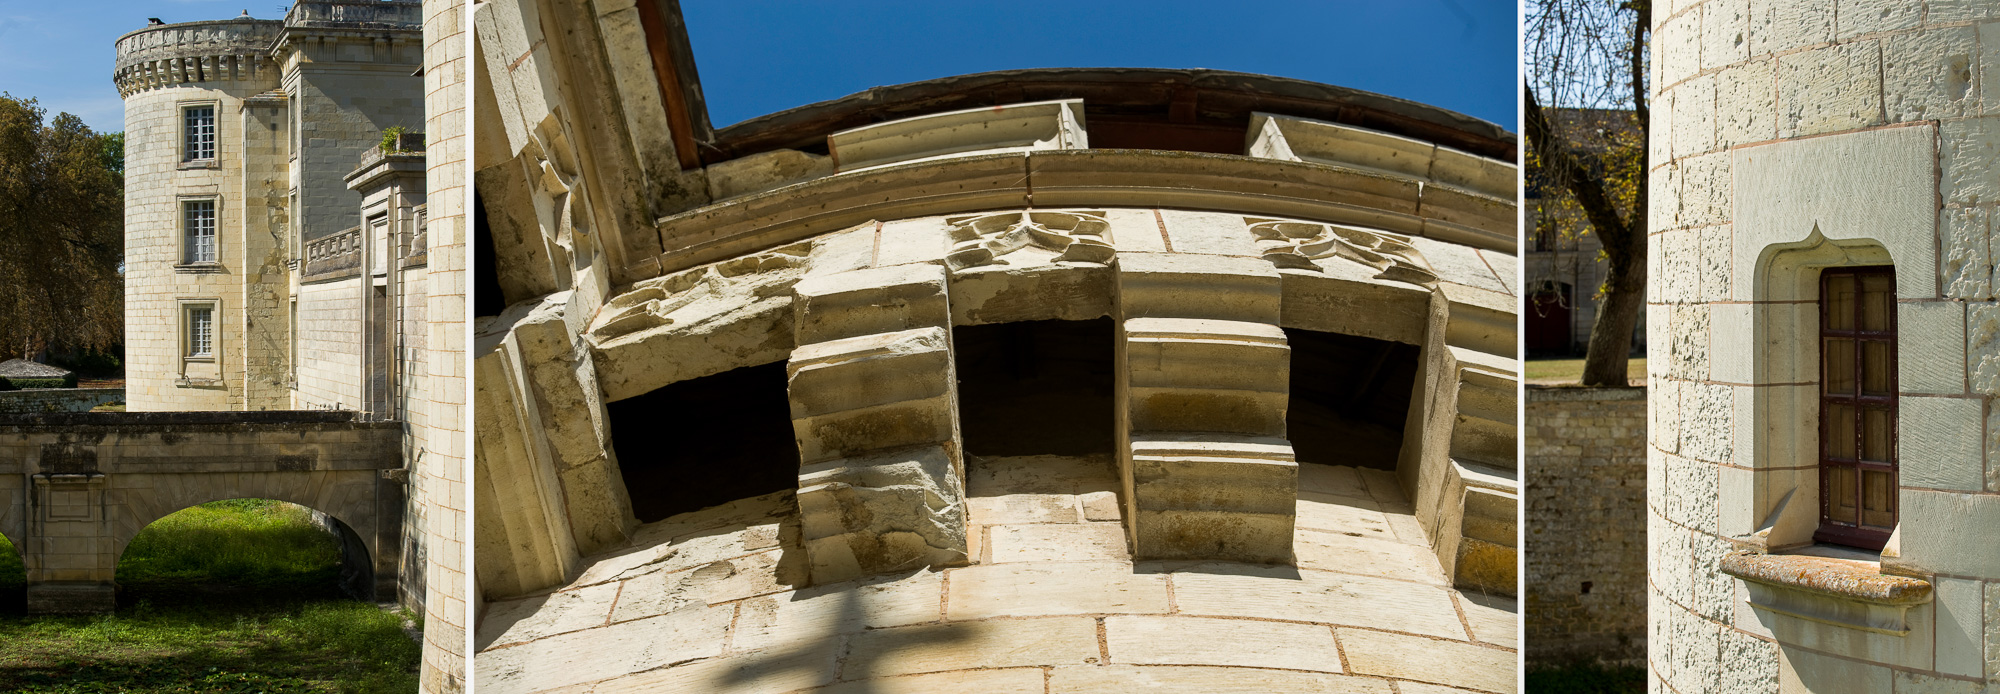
[(486, 298), (706, 441), (1036, 387), (1350, 395)]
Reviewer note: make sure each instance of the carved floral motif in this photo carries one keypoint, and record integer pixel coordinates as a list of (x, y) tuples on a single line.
[(1065, 237), (1296, 245), (650, 303)]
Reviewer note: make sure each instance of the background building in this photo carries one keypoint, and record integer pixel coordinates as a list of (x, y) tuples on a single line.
[(1050, 379), (283, 254), (1563, 266), (1823, 484)]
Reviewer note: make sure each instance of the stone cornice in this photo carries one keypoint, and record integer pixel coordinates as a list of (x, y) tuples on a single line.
[(1070, 178)]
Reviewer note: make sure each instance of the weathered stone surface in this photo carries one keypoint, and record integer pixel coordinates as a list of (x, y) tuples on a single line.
[(1338, 551), (1427, 660), (515, 621), (822, 613), (1206, 680), (1085, 542), (1016, 590), (1051, 641), (1233, 590), (581, 656), (1230, 642), (1830, 89), (1494, 619), (1005, 681)]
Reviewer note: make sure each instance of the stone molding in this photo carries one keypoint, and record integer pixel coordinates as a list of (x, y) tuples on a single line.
[(1011, 128)]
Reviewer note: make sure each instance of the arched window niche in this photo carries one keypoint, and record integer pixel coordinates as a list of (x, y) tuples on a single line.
[(1775, 500)]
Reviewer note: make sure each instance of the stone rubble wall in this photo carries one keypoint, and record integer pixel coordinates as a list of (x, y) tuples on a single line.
[(1851, 132), (1586, 542), (709, 602), (57, 399)]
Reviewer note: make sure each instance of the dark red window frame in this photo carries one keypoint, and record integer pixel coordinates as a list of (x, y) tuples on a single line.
[(1857, 408)]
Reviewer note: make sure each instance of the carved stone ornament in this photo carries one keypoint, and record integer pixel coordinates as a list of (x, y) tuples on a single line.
[(1064, 237), (1295, 245), (650, 303)]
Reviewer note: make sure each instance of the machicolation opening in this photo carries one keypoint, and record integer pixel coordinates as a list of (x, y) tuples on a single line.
[(706, 441), (1036, 387), (1350, 397)]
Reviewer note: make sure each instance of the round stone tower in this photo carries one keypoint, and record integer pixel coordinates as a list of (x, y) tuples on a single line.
[(1824, 476), (1049, 380), (196, 95)]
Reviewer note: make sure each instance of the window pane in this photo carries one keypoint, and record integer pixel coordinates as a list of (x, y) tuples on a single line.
[(1878, 499), (1877, 370), (1839, 431), (1877, 437), (1839, 357), (200, 331), (200, 229), (1838, 304), (1878, 301), (200, 128), (1839, 494)]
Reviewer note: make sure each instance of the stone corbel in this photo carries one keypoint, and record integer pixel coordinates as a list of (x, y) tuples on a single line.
[(875, 411), (1829, 591), (1204, 375)]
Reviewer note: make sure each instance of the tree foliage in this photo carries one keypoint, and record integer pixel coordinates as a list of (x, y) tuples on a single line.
[(1592, 54), (62, 232)]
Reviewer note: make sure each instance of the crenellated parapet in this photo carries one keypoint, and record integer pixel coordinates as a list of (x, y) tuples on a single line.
[(190, 52)]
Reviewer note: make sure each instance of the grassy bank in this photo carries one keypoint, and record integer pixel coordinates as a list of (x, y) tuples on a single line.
[(227, 597)]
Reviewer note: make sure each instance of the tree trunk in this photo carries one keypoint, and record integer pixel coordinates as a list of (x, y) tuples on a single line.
[(1611, 335)]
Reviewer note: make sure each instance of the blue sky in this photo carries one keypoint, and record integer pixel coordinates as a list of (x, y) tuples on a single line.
[(761, 56)]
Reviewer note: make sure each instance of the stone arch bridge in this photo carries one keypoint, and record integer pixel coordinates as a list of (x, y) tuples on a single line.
[(75, 488)]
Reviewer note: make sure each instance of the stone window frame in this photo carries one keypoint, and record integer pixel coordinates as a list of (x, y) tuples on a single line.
[(184, 309), (1789, 215), (187, 263), (1787, 373), (186, 158)]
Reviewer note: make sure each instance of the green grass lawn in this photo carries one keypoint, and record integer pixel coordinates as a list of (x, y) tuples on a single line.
[(1571, 370), (228, 597), (1587, 679)]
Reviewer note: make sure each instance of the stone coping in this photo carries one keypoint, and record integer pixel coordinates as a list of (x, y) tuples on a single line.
[(1566, 393), (1841, 578), (142, 419)]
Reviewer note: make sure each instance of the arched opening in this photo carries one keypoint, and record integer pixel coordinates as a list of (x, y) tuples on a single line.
[(245, 548), (706, 441), (13, 579)]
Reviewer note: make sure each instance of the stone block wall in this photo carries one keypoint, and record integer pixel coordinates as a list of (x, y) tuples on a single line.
[(57, 399), (1586, 538), (1791, 136), (440, 474), (329, 370), (156, 183)]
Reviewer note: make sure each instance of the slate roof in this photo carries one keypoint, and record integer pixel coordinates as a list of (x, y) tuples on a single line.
[(22, 368)]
